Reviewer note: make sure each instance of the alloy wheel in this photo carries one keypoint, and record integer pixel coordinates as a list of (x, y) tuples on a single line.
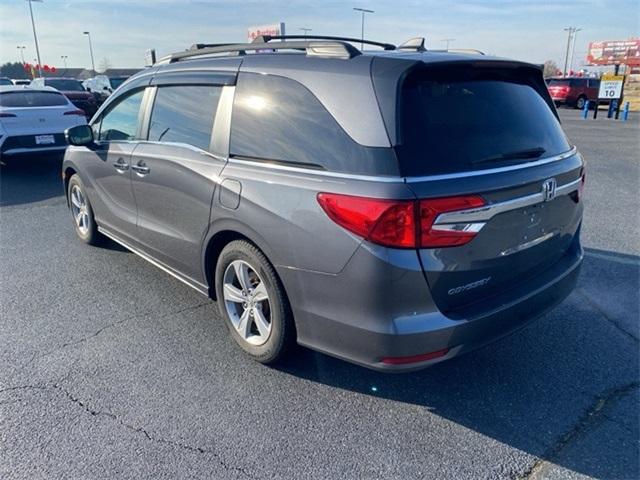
[(247, 302), (79, 209)]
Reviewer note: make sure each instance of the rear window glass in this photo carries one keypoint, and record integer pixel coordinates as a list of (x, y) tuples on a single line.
[(65, 85), (184, 114), (567, 82), (458, 120), (32, 99), (278, 119)]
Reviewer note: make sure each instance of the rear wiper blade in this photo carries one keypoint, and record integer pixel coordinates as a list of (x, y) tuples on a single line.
[(515, 155)]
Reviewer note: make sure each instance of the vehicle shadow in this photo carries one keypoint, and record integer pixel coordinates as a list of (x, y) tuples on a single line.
[(29, 179), (536, 390)]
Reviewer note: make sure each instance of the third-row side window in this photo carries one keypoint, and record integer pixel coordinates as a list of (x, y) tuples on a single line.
[(184, 114)]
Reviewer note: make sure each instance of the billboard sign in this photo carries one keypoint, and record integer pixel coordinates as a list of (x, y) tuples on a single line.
[(275, 29), (624, 52)]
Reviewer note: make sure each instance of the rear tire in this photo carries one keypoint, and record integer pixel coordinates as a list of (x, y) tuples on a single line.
[(581, 102), (253, 302), (81, 212)]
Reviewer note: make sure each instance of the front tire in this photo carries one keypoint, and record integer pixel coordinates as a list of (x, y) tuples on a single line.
[(81, 211), (580, 103), (253, 302)]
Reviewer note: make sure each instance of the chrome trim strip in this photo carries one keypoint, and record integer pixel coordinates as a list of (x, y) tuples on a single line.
[(394, 179), (489, 171), (526, 245), (486, 213), (459, 227), (196, 286), (311, 171)]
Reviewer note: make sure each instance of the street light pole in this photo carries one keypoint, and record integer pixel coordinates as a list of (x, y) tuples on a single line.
[(35, 37), (305, 30), (362, 11), (64, 59), (448, 41), (93, 65), (21, 49)]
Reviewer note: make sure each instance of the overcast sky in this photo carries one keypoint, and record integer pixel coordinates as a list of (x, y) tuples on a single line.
[(122, 29)]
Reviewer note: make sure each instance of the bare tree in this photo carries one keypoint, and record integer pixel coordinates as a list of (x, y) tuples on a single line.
[(550, 69), (104, 65)]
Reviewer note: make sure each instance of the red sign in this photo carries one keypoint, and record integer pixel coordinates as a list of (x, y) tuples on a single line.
[(624, 52)]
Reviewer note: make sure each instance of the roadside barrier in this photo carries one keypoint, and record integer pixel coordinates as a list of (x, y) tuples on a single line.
[(625, 112)]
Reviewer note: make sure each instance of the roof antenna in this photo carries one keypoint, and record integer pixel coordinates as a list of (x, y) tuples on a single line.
[(416, 44)]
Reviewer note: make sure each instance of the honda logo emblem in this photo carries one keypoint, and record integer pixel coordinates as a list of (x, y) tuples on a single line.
[(549, 189)]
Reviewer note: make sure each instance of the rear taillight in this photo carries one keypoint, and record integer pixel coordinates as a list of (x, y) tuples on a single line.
[(385, 222), (445, 235), (75, 112), (399, 223), (7, 115)]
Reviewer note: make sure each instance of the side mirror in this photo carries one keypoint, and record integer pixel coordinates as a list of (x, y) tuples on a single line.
[(79, 135)]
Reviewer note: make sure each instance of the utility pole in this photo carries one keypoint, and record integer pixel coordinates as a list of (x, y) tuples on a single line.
[(21, 49), (573, 47), (305, 30), (448, 41), (572, 31), (93, 65), (362, 11), (64, 59), (35, 37)]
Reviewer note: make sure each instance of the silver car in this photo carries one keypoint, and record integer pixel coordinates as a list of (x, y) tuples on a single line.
[(393, 208)]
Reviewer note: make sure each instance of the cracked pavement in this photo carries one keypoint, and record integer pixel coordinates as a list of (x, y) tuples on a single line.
[(110, 368)]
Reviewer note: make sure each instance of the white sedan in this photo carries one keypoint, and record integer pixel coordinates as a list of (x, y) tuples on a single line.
[(33, 120)]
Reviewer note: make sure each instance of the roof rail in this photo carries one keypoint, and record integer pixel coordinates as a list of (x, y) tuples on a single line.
[(416, 44), (461, 50), (313, 48), (267, 38)]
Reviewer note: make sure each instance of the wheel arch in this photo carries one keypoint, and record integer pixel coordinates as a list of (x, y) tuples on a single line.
[(68, 171)]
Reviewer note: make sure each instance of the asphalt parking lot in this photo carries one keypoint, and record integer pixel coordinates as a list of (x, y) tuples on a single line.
[(110, 368)]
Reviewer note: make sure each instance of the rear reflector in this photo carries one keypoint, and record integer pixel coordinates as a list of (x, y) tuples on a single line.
[(399, 223), (75, 112), (7, 115), (414, 358)]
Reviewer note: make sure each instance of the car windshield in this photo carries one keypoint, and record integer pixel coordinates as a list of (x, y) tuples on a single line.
[(65, 85), (115, 82), (455, 120), (27, 98)]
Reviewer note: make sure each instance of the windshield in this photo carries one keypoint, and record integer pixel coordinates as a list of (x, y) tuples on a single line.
[(116, 82), (461, 119), (65, 85), (27, 98)]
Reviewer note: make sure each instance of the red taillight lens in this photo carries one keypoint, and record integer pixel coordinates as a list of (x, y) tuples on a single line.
[(75, 112), (429, 211), (385, 222), (399, 223), (414, 358), (7, 115)]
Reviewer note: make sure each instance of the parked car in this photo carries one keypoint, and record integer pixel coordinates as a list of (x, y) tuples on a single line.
[(103, 85), (73, 90), (5, 81), (393, 209), (33, 120), (21, 81), (573, 91)]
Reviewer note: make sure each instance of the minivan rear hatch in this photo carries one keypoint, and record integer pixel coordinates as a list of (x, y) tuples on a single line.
[(484, 137)]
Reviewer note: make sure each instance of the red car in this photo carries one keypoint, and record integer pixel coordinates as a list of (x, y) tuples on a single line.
[(573, 91), (73, 90)]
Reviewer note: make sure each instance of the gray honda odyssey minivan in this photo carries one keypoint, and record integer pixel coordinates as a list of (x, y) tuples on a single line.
[(393, 207)]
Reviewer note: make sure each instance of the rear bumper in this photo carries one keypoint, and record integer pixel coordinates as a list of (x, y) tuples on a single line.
[(364, 338), (25, 144)]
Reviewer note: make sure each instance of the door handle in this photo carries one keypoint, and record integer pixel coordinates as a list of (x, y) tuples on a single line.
[(121, 165), (141, 169)]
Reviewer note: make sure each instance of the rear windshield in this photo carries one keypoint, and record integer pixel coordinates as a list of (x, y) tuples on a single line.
[(31, 99), (65, 85), (567, 82), (462, 119)]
